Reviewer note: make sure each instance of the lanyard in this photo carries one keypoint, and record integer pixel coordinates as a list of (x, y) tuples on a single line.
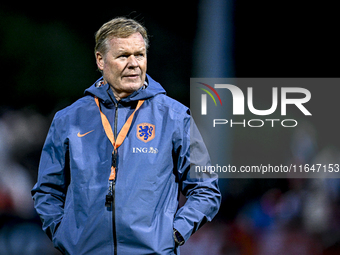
[(121, 136)]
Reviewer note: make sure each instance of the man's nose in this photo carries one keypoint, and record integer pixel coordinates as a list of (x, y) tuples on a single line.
[(132, 61)]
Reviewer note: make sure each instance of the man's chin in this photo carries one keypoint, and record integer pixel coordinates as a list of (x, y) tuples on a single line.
[(132, 86), (133, 83)]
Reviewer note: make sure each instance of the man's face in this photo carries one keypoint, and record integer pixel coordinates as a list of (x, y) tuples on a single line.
[(124, 65)]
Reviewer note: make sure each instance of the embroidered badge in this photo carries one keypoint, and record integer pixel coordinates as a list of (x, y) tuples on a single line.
[(145, 132)]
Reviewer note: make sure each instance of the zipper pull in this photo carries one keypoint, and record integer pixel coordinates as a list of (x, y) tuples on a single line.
[(108, 201), (114, 158), (109, 196)]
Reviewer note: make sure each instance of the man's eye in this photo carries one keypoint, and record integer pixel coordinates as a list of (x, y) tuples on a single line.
[(124, 56)]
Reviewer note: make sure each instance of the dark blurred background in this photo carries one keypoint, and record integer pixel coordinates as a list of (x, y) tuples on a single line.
[(47, 61)]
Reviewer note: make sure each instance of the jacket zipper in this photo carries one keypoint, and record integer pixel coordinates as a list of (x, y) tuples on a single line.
[(113, 183), (114, 162)]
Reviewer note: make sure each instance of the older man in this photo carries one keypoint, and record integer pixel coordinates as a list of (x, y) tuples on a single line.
[(114, 162)]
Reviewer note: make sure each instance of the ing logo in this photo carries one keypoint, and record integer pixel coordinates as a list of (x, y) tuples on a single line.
[(204, 98)]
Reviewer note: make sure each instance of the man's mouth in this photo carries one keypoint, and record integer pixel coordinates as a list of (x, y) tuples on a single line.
[(131, 76)]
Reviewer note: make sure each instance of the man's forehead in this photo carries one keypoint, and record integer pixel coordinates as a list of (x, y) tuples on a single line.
[(135, 40)]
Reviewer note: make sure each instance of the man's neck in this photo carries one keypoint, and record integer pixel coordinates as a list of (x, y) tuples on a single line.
[(118, 95)]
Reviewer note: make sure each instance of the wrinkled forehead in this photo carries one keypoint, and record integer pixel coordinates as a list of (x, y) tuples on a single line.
[(134, 42)]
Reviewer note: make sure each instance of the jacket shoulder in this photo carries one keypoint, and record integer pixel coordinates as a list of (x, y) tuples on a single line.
[(81, 104), (171, 105)]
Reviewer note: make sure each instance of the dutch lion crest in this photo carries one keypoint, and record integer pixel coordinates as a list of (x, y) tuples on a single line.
[(145, 132)]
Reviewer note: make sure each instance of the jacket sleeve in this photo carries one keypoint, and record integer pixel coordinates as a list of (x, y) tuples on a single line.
[(202, 192), (50, 190)]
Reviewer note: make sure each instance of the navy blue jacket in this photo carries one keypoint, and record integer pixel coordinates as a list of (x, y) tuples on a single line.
[(153, 166)]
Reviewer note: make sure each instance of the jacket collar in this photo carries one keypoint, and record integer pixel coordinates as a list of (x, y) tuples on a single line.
[(105, 94)]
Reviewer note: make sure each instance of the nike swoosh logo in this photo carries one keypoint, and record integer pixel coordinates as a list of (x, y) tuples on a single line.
[(82, 135)]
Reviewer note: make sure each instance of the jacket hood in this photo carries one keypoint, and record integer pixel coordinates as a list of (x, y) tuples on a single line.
[(104, 92)]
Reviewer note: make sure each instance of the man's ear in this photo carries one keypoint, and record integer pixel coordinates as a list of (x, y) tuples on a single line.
[(100, 60)]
